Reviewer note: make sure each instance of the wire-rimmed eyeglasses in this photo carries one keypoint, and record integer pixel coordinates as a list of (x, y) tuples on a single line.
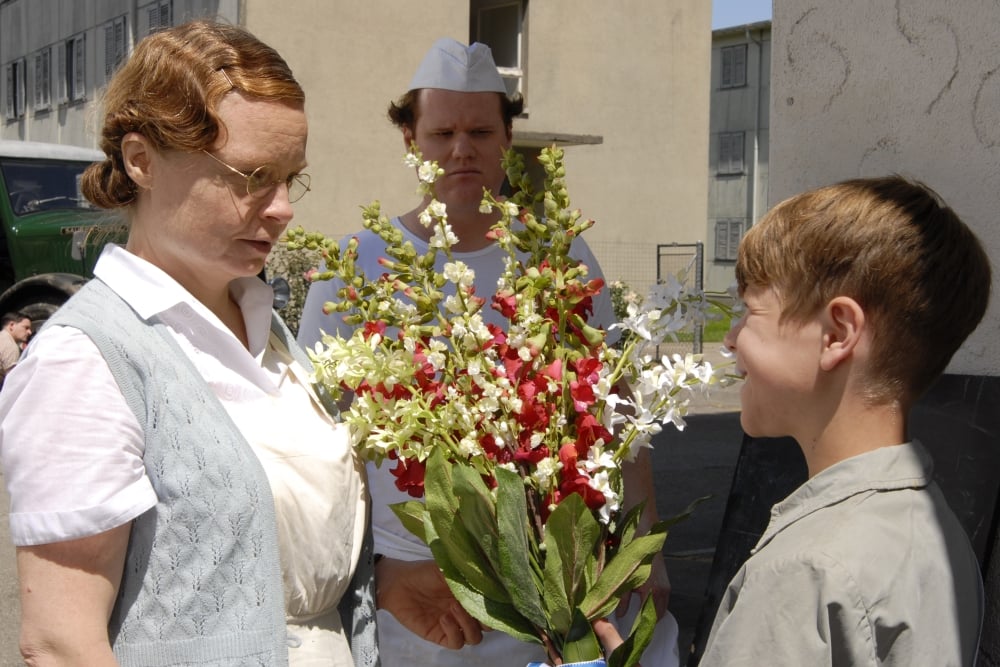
[(261, 180)]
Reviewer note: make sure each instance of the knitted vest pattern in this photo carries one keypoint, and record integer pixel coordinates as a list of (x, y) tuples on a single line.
[(202, 581)]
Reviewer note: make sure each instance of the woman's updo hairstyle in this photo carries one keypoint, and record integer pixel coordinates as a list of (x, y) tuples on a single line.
[(169, 91)]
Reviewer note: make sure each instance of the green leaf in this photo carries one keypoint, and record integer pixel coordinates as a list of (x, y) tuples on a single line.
[(581, 643), (478, 513), (554, 595), (517, 570), (628, 525), (457, 546), (571, 536), (627, 570), (494, 613), (437, 483), (685, 513), (411, 514), (631, 650)]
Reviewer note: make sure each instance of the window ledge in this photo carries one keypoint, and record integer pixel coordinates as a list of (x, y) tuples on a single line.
[(532, 139)]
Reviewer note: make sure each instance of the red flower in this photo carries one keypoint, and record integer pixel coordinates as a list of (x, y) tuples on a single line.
[(574, 481), (506, 303), (554, 370), (525, 453), (372, 328), (409, 475), (583, 395), (589, 430)]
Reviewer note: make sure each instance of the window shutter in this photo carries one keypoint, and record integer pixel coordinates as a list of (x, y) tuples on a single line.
[(9, 77), (119, 41), (37, 85), (730, 152), (734, 66), (21, 91), (61, 92), (727, 239), (721, 240), (735, 234), (41, 85), (740, 65), (109, 49), (79, 68)]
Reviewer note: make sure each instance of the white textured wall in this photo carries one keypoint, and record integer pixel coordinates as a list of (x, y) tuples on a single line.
[(869, 87)]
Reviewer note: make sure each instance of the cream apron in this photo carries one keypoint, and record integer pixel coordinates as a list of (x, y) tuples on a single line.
[(321, 503)]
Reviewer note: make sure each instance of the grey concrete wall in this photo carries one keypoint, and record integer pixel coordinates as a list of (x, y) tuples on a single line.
[(869, 87)]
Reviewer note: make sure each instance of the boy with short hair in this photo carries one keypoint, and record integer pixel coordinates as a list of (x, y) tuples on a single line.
[(857, 295)]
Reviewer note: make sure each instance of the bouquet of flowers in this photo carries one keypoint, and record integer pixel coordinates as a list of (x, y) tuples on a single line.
[(514, 436)]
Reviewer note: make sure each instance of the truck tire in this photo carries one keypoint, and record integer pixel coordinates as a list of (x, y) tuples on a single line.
[(40, 308)]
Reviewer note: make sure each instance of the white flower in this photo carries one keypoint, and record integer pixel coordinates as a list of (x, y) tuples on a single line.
[(435, 211), (602, 482), (428, 172), (468, 447), (454, 304), (459, 273), (443, 237), (545, 472)]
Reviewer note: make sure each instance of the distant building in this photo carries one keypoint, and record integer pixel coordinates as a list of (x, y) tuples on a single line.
[(625, 91), (738, 143)]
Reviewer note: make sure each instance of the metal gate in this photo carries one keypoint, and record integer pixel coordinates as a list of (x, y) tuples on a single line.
[(687, 259)]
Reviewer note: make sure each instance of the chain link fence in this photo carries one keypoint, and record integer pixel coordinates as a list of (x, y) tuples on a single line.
[(641, 265)]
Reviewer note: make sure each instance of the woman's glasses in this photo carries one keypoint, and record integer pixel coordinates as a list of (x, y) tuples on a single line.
[(261, 180)]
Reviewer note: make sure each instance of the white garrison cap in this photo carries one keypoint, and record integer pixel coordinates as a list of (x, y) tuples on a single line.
[(451, 65)]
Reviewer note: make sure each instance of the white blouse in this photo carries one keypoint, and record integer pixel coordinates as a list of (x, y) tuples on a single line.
[(71, 449)]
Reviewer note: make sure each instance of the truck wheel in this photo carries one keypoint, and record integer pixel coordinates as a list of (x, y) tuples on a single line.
[(40, 308)]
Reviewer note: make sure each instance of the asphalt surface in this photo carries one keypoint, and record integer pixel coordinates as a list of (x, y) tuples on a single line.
[(687, 465), (10, 610)]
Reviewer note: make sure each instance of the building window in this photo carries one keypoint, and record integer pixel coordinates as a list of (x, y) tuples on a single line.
[(730, 153), (73, 79), (157, 15), (115, 41), (727, 239), (734, 66), (43, 79), (14, 73), (500, 25)]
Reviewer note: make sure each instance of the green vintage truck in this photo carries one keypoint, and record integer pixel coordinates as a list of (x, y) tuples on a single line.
[(51, 236)]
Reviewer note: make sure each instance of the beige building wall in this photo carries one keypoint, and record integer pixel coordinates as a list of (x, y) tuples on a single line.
[(634, 74), (870, 87), (624, 84)]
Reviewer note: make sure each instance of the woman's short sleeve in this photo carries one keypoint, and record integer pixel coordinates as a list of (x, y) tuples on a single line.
[(70, 447)]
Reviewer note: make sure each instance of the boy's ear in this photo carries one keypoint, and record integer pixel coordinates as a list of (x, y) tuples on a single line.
[(843, 329), (137, 154)]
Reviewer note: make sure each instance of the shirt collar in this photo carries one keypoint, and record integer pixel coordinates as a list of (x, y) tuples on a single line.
[(906, 466), (151, 292)]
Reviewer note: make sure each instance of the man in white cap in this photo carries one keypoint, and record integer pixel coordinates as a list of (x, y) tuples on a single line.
[(458, 113)]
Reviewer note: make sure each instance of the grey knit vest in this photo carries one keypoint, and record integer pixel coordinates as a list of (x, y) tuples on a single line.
[(202, 581)]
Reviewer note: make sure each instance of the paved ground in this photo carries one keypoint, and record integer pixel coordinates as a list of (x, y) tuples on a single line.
[(9, 608), (687, 465)]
